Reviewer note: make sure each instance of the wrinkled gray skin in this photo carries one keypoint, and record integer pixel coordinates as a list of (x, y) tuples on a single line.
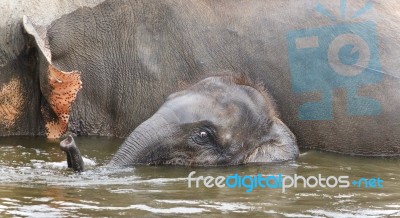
[(133, 54), (19, 62), (221, 120)]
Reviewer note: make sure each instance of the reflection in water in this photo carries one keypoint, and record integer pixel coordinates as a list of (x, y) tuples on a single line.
[(34, 181)]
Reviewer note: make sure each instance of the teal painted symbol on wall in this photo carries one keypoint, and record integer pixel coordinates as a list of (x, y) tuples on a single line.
[(343, 56)]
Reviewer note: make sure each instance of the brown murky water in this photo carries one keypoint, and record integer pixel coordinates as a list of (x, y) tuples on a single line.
[(34, 182)]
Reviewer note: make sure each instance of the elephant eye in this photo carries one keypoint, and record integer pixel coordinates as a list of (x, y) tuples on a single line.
[(202, 137), (203, 134)]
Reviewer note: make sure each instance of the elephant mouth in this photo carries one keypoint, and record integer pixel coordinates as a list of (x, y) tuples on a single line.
[(184, 159), (178, 162), (269, 153)]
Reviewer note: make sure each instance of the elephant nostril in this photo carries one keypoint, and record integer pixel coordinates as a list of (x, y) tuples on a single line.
[(69, 139)]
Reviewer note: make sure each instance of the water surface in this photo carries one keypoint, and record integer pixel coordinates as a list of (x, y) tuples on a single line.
[(35, 182)]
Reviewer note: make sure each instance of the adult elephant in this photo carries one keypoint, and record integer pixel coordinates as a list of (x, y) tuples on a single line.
[(21, 99), (330, 65)]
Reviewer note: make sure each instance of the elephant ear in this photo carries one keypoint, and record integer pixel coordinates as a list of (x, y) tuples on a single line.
[(59, 88)]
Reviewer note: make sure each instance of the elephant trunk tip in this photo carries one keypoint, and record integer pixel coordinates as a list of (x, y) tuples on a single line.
[(67, 143), (74, 157)]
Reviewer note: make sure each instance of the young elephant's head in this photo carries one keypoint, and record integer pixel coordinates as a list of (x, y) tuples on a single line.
[(221, 120)]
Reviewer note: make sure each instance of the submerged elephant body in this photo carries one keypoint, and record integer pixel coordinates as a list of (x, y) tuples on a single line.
[(132, 54), (221, 120)]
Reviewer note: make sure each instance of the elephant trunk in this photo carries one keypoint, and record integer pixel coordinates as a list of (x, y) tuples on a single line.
[(145, 144), (74, 157)]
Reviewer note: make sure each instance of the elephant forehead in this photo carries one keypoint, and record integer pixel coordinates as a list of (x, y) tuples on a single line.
[(191, 108), (223, 109)]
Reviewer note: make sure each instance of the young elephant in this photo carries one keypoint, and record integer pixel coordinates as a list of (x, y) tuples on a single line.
[(221, 120)]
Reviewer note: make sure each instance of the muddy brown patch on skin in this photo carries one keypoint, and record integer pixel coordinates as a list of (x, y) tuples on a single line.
[(59, 88), (11, 101), (64, 88)]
